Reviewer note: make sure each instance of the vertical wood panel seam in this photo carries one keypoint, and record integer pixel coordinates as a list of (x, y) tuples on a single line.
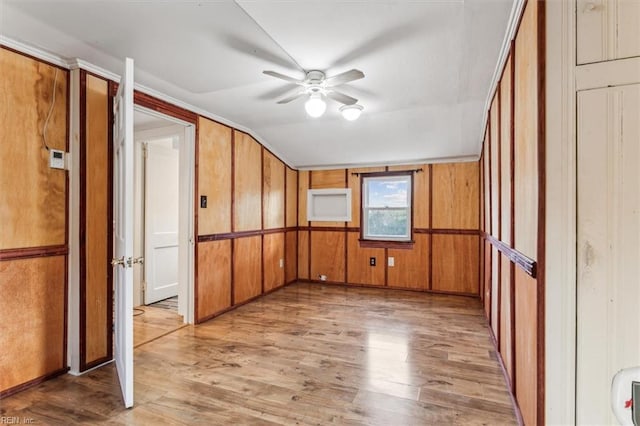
[(196, 207), (430, 201), (297, 223), (490, 219), (540, 27), (309, 186), (67, 227), (285, 259), (346, 234), (232, 275), (82, 216), (481, 224), (262, 218), (499, 208), (386, 250), (489, 175), (512, 282)]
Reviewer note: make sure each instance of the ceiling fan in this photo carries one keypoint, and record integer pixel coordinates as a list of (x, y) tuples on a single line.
[(316, 86)]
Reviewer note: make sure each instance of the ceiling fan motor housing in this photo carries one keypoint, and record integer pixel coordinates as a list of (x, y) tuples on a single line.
[(315, 77)]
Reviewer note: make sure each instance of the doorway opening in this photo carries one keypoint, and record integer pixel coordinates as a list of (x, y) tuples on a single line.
[(163, 224)]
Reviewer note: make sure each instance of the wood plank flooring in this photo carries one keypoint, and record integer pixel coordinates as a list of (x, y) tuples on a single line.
[(154, 322), (306, 355)]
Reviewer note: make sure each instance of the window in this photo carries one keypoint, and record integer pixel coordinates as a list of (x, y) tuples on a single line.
[(386, 208)]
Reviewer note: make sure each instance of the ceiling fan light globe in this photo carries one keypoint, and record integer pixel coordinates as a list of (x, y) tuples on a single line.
[(315, 106), (351, 112)]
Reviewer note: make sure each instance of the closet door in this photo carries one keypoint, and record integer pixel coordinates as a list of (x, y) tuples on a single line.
[(607, 30), (608, 299)]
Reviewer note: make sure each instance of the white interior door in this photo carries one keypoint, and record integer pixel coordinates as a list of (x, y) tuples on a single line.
[(123, 231), (608, 324), (162, 172)]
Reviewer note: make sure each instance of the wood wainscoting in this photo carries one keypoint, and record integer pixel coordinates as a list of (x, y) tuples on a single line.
[(247, 235), (34, 218), (444, 256), (513, 215)]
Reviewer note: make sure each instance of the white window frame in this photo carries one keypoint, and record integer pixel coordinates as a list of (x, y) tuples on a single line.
[(366, 209)]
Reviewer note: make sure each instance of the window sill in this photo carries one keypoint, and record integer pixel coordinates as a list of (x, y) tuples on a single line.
[(386, 244)]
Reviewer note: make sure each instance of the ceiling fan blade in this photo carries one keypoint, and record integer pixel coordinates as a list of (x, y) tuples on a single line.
[(292, 97), (342, 98), (278, 92), (282, 77), (344, 77)]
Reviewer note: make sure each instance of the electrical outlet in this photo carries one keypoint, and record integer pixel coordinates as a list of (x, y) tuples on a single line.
[(203, 201), (372, 261), (391, 261), (282, 263)]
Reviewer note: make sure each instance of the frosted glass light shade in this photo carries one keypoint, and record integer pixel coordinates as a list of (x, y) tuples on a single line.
[(351, 112), (315, 106)]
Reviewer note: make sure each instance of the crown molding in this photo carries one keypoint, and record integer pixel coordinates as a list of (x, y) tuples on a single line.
[(36, 52), (78, 63), (455, 159), (512, 28)]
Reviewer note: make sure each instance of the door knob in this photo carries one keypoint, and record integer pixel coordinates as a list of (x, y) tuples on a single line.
[(120, 262)]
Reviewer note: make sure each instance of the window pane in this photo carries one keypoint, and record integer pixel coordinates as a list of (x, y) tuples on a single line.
[(388, 192), (389, 223)]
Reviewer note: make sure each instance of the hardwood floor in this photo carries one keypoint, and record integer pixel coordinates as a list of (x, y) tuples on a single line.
[(150, 323), (306, 354)]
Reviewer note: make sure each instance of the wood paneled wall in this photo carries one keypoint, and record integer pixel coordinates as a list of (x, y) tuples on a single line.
[(291, 198), (214, 177), (273, 180), (214, 277), (273, 254), (304, 241), (247, 183), (455, 196), (33, 214), (445, 255), (95, 223), (34, 209), (33, 334), (513, 207), (247, 233), (247, 273)]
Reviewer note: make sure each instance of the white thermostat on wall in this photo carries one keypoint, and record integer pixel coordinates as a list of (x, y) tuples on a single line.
[(56, 159), (625, 396)]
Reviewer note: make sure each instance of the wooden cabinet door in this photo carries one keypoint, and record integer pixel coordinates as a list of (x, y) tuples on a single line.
[(608, 324), (607, 30)]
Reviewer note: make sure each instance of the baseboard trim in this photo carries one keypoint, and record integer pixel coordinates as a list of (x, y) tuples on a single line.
[(507, 380), (32, 383), (386, 287)]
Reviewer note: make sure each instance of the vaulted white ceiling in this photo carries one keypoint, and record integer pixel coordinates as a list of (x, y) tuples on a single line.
[(428, 65)]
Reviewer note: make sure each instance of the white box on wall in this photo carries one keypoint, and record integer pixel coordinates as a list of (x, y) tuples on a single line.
[(329, 205)]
